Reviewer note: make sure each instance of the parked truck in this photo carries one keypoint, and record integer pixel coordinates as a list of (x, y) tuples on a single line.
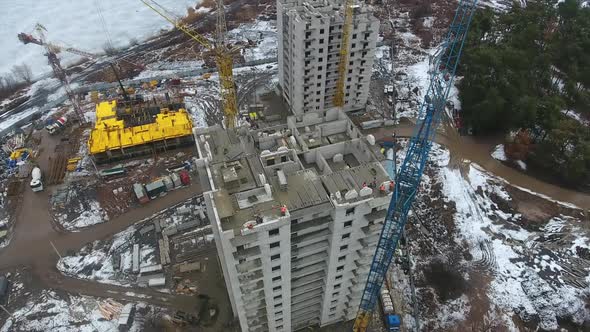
[(36, 180), (57, 125), (390, 319)]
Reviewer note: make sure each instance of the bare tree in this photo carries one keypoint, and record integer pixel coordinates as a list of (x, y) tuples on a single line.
[(22, 72), (7, 82), (109, 49), (8, 85)]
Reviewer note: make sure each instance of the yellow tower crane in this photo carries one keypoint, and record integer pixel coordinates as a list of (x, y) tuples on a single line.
[(223, 56), (342, 66)]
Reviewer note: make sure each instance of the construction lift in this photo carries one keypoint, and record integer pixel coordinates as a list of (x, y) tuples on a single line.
[(54, 48), (346, 28), (58, 71), (223, 56), (443, 65)]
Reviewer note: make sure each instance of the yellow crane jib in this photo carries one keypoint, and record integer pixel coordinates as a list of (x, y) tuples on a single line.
[(342, 66), (223, 57)]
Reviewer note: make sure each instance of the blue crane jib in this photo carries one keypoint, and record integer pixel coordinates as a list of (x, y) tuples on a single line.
[(443, 65)]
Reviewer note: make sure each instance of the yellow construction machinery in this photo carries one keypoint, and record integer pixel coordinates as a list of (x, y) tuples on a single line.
[(346, 27), (223, 56)]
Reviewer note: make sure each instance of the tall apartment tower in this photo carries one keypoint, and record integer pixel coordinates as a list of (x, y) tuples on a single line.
[(309, 38), (296, 215)]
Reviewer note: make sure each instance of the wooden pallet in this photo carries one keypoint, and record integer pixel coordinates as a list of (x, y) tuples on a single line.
[(57, 169)]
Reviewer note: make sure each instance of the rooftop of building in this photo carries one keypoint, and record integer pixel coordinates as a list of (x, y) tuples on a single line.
[(322, 9), (307, 162)]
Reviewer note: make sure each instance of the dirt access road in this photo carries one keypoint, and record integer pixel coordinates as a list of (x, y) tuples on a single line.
[(34, 232), (479, 151)]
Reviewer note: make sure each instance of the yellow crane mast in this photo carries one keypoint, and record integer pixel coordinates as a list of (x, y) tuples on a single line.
[(342, 66), (223, 56)]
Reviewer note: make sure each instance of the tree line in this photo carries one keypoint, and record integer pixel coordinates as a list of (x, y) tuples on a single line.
[(523, 71), (19, 77)]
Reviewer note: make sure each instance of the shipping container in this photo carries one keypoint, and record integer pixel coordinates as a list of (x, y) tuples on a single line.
[(185, 177), (155, 189), (140, 193), (176, 180), (168, 182)]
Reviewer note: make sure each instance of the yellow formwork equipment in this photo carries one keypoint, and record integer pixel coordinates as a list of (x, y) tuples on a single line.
[(110, 133)]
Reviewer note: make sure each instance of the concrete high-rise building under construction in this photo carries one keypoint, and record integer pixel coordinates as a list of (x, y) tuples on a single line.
[(296, 213), (309, 38)]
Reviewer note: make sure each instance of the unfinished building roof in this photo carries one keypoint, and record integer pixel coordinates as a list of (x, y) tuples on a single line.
[(370, 175), (304, 189), (257, 174)]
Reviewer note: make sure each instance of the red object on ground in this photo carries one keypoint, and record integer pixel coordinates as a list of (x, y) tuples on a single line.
[(185, 178)]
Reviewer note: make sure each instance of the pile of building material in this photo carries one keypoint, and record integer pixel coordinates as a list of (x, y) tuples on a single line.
[(110, 309), (125, 316), (194, 266), (135, 258), (164, 245), (13, 143), (187, 287)]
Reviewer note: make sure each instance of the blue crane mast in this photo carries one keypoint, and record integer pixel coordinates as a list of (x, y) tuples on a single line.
[(443, 65)]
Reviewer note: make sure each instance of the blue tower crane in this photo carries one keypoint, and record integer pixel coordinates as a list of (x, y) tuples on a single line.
[(443, 65)]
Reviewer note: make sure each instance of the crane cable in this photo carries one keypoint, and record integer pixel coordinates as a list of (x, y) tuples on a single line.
[(104, 25)]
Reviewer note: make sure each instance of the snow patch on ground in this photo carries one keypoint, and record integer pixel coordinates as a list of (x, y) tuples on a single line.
[(517, 285), (262, 33), (169, 68), (521, 164), (90, 215), (97, 263), (576, 116), (453, 312), (499, 153), (58, 313)]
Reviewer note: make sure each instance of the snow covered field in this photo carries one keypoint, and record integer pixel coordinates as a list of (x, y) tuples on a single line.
[(82, 212), (77, 24), (512, 252), (262, 33), (55, 312), (95, 262)]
